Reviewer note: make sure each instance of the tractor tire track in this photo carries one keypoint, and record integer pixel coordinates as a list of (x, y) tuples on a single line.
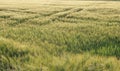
[(52, 16)]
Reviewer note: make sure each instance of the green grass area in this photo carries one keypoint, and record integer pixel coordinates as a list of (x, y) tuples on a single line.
[(60, 36)]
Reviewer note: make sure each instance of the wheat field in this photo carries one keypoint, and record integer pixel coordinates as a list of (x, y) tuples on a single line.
[(59, 35)]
